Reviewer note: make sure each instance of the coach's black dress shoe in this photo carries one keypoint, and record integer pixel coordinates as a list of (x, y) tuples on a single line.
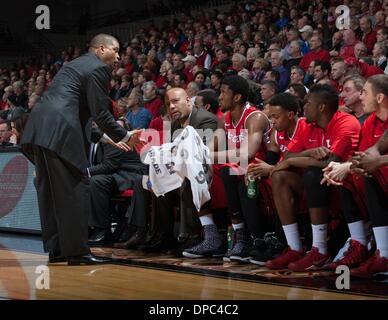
[(87, 259)]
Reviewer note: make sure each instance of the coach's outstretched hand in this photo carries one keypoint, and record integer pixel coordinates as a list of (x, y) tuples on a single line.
[(134, 141)]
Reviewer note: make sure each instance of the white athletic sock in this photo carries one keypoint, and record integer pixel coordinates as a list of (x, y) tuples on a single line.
[(381, 236), (357, 232), (206, 219), (292, 235), (238, 226), (320, 237)]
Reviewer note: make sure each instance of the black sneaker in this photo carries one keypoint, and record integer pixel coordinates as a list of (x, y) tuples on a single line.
[(258, 247), (206, 248), (241, 249), (274, 249), (211, 246)]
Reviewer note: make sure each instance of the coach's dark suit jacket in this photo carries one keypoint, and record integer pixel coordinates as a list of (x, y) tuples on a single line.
[(78, 92), (200, 119), (123, 166)]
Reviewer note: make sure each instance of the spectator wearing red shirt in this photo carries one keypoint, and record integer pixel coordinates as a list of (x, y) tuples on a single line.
[(8, 91), (362, 68), (368, 9), (31, 68), (316, 53), (203, 57), (336, 44), (352, 88), (128, 65), (158, 124), (360, 50), (162, 80), (338, 74), (369, 35), (152, 102), (350, 40), (187, 44), (222, 57), (190, 62), (329, 135)]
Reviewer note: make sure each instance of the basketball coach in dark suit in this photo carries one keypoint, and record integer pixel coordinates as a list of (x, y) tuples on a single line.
[(57, 134)]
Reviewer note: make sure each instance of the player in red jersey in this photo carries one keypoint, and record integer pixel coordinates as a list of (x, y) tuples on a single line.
[(243, 131), (283, 112), (371, 160), (329, 135)]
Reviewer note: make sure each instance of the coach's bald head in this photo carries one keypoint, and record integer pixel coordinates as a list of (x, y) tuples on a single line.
[(178, 104), (106, 48)]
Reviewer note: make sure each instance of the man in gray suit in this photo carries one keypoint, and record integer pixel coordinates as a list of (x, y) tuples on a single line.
[(57, 132), (182, 113)]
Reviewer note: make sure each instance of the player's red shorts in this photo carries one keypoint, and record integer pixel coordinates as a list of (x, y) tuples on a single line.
[(217, 190)]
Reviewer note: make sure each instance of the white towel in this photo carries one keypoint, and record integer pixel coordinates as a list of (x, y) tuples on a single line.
[(185, 157)]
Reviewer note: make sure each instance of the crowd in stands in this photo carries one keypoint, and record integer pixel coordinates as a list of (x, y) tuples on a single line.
[(309, 95)]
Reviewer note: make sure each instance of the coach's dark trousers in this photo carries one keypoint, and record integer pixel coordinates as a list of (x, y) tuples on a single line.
[(64, 204)]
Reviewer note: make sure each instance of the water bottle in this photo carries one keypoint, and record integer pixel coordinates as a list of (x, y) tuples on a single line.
[(230, 238), (252, 187)]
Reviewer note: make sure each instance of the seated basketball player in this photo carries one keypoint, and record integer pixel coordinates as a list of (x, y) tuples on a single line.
[(246, 127), (283, 112), (329, 135), (372, 160)]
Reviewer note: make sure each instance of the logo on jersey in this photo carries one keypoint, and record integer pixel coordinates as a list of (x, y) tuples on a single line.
[(283, 148), (236, 138)]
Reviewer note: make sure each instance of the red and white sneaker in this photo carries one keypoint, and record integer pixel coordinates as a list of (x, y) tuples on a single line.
[(373, 265), (284, 259), (356, 254), (313, 260)]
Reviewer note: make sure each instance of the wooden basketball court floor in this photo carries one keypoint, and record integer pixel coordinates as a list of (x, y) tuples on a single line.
[(20, 279)]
